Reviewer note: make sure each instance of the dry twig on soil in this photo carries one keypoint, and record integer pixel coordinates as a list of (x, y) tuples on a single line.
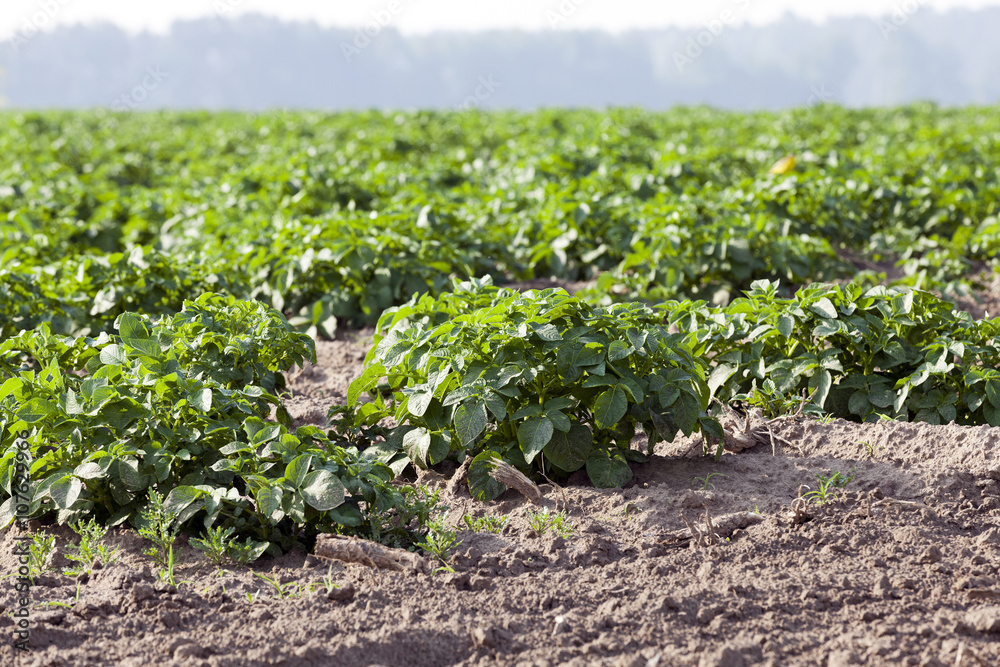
[(711, 531), (513, 478), (562, 494), (460, 475), (797, 513), (353, 551), (751, 429)]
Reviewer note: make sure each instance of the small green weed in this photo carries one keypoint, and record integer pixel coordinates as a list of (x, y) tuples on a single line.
[(557, 522), (219, 548), (53, 603), (629, 511), (705, 483), (409, 515), (325, 584), (774, 403), (328, 579), (40, 552), (440, 542), (827, 485), (870, 446), (283, 591), (215, 546), (246, 552), (158, 528), (90, 551), (485, 524)]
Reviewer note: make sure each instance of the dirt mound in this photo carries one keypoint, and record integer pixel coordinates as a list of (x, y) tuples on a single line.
[(897, 567), (315, 387)]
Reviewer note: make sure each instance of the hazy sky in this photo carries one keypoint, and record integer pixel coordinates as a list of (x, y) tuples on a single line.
[(421, 16)]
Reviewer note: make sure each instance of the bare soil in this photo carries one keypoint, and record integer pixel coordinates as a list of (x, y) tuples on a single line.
[(900, 568)]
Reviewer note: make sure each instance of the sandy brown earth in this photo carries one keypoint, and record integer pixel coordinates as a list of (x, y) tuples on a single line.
[(899, 569)]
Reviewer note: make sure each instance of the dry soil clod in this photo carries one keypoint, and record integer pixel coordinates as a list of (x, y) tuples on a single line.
[(962, 649)]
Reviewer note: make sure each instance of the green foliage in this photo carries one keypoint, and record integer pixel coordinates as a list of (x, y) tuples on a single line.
[(544, 520), (325, 223), (90, 551), (193, 261), (440, 541), (179, 404), (827, 486), (860, 354), (485, 524), (541, 379)]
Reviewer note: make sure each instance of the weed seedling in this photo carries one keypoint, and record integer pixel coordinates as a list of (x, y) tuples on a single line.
[(244, 553), (158, 528), (557, 522), (629, 511), (328, 579), (218, 548), (439, 542), (824, 493), (53, 603), (411, 512), (215, 545), (40, 551), (870, 446), (539, 521), (90, 551), (485, 524), (325, 584), (706, 482), (289, 590)]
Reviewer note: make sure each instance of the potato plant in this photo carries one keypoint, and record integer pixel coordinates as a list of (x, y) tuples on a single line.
[(179, 405), (860, 353), (541, 379)]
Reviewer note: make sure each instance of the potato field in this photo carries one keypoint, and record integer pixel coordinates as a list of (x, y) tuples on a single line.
[(689, 387)]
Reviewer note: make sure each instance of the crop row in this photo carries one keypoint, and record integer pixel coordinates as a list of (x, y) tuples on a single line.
[(336, 217), (552, 384)]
